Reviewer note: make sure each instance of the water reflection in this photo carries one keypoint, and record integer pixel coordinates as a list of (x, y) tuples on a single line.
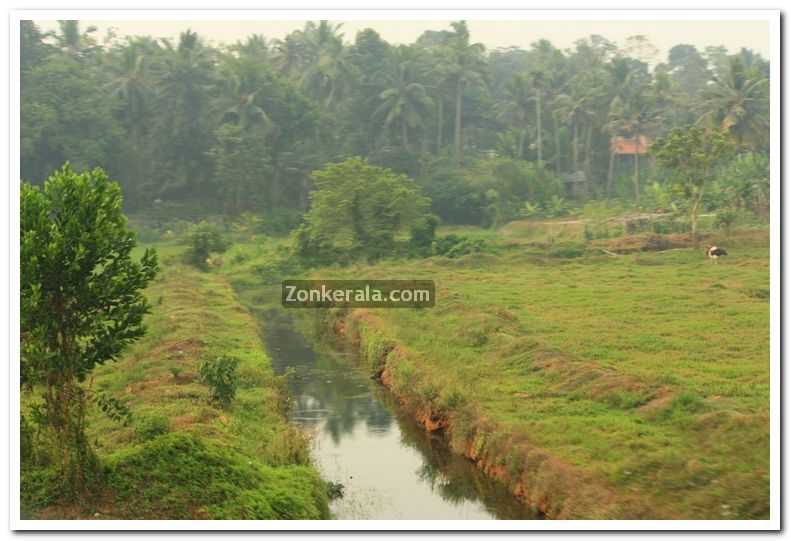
[(390, 468)]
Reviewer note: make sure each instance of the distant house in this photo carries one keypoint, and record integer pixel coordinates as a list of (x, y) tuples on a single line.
[(628, 145), (575, 183)]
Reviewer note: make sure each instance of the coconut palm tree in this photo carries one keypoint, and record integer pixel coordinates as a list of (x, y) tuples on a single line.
[(404, 100), (241, 82), (74, 43), (738, 101), (132, 81), (289, 55), (329, 65), (539, 81), (466, 69), (184, 77), (256, 46), (516, 107)]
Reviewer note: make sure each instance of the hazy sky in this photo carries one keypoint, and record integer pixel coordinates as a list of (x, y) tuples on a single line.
[(662, 34)]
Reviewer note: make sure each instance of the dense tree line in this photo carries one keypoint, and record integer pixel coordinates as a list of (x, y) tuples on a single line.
[(482, 132)]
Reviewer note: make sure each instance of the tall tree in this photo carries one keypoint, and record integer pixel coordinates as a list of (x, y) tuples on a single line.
[(61, 98), (692, 153), (132, 81), (466, 69), (404, 100), (516, 107), (738, 101), (73, 42), (81, 302), (184, 73)]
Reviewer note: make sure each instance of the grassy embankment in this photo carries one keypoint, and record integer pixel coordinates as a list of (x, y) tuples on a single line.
[(183, 457), (594, 385)]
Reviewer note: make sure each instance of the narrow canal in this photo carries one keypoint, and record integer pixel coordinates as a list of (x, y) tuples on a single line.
[(388, 466)]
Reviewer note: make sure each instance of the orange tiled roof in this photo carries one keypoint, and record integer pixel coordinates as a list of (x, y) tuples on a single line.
[(626, 145)]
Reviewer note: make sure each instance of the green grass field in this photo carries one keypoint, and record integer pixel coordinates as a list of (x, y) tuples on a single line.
[(596, 385), (648, 371)]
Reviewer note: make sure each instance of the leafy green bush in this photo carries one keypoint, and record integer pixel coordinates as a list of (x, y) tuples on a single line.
[(556, 207), (357, 211), (280, 221), (219, 373), (150, 427), (453, 246), (726, 219), (279, 267), (204, 238), (422, 235)]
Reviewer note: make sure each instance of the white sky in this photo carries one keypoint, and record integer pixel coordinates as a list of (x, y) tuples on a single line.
[(662, 34)]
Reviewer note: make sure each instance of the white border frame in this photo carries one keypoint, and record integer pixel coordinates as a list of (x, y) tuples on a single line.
[(771, 16)]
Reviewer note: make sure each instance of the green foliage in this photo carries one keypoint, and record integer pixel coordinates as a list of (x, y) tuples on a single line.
[(556, 207), (241, 168), (357, 210), (453, 197), (114, 408), (66, 117), (421, 236), (178, 476), (81, 299), (219, 373), (453, 245), (151, 426), (491, 192), (280, 221), (242, 125), (726, 219), (744, 184), (204, 238), (691, 153)]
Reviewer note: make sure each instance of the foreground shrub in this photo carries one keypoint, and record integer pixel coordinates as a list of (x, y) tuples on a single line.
[(203, 239), (219, 373), (179, 476)]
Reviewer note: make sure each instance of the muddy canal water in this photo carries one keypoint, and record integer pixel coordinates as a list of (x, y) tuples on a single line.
[(388, 466)]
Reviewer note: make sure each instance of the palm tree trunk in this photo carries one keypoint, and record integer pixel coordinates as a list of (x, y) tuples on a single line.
[(520, 151), (137, 160), (439, 124), (574, 148), (404, 134), (538, 126), (637, 165), (558, 165), (588, 149), (457, 127), (610, 173)]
